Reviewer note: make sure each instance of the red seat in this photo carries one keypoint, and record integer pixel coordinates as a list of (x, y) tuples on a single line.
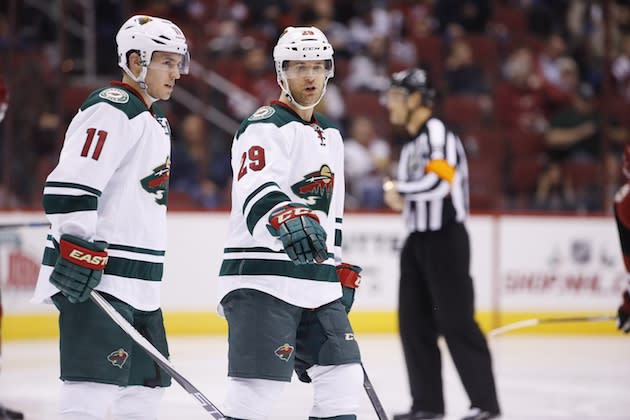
[(584, 174), (462, 110), (360, 103), (524, 172), (484, 143), (485, 181), (523, 143), (485, 50), (510, 18)]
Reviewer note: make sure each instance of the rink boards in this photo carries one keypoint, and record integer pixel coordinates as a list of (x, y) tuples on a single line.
[(523, 267)]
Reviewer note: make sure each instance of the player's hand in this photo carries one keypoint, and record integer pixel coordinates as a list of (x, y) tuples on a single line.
[(302, 236), (79, 268), (349, 276), (392, 198), (623, 314)]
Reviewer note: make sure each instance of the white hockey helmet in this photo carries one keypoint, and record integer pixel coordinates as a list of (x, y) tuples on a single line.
[(146, 35), (302, 44)]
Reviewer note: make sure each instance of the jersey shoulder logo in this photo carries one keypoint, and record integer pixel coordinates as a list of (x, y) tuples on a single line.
[(316, 188), (262, 113), (116, 95), (157, 183)]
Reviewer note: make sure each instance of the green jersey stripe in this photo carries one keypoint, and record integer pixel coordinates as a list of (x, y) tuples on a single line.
[(121, 267), (252, 249), (256, 191), (136, 249), (256, 267), (73, 186), (338, 237), (262, 206), (55, 204), (338, 220)]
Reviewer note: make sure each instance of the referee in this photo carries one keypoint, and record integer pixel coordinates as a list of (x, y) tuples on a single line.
[(436, 294)]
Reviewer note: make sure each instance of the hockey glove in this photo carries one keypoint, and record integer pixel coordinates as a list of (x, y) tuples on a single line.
[(623, 314), (302, 236), (350, 279), (79, 267)]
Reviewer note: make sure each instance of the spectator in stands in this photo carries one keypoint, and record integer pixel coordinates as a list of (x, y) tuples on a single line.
[(369, 71), (191, 158), (554, 190), (370, 22), (524, 100), (547, 60), (321, 14), (574, 131), (457, 17), (463, 75), (367, 162), (621, 68), (256, 78)]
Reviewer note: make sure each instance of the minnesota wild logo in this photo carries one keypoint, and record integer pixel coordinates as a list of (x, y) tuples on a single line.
[(316, 188), (157, 183), (118, 357)]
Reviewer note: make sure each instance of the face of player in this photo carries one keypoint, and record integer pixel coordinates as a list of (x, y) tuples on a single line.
[(162, 73), (306, 80), (397, 104)]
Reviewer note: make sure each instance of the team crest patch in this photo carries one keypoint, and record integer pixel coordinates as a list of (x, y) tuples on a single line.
[(116, 95), (157, 182), (262, 113), (118, 357), (284, 352), (316, 188)]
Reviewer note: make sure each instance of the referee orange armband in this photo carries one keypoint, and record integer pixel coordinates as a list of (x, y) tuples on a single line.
[(441, 168)]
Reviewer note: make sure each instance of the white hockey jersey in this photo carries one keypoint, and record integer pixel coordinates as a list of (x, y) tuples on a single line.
[(111, 184), (278, 158)]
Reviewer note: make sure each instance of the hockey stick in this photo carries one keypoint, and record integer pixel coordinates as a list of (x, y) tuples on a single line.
[(376, 403), (23, 225), (154, 354), (537, 321)]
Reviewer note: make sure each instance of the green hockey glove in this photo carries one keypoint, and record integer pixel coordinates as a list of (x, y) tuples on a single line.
[(302, 236), (79, 267)]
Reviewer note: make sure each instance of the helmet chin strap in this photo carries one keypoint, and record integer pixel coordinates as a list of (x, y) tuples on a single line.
[(140, 81), (284, 85)]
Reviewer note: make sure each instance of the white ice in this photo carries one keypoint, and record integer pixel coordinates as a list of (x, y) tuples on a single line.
[(538, 377)]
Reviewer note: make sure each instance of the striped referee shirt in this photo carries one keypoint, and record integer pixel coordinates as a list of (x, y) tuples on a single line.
[(430, 201)]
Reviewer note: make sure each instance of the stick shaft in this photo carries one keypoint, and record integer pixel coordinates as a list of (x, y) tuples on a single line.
[(376, 403), (154, 354), (23, 225), (537, 321)]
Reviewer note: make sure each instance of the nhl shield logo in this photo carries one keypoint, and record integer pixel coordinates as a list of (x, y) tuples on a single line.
[(284, 352), (118, 357), (316, 188)]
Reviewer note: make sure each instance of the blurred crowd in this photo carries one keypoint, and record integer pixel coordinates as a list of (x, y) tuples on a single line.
[(538, 90)]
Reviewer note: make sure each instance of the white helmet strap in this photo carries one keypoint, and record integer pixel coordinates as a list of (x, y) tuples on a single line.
[(139, 79)]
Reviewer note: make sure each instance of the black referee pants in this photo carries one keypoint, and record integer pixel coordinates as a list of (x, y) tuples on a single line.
[(437, 298)]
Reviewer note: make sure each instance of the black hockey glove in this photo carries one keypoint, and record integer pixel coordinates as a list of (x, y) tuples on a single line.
[(302, 236), (349, 276), (79, 267), (623, 314)]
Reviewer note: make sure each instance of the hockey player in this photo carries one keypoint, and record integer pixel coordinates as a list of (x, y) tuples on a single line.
[(621, 208), (5, 413), (279, 284), (106, 202), (436, 294)]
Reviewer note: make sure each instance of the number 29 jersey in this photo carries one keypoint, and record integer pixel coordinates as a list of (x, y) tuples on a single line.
[(278, 158), (111, 184)]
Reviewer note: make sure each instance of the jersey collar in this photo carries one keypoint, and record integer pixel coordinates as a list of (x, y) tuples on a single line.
[(131, 89)]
